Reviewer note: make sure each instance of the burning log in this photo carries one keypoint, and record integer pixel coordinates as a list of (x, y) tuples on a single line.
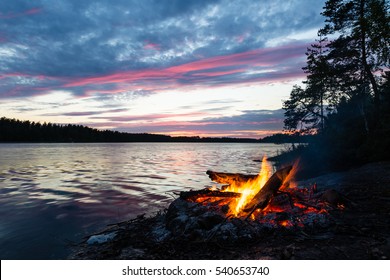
[(262, 197), (207, 193), (271, 187), (230, 178)]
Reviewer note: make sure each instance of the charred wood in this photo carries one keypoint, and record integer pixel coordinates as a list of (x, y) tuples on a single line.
[(229, 178), (271, 187), (207, 193)]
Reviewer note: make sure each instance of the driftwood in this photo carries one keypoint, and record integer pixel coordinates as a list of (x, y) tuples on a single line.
[(271, 187), (230, 178), (207, 193)]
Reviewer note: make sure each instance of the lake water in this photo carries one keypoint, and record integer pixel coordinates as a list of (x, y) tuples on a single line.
[(53, 194)]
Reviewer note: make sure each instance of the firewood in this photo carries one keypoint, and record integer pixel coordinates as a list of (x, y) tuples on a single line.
[(271, 187), (207, 193), (229, 178)]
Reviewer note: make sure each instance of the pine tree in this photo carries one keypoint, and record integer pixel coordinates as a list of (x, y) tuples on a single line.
[(305, 110), (362, 48), (344, 68)]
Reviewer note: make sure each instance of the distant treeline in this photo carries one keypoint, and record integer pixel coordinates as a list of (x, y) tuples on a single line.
[(280, 138), (12, 130)]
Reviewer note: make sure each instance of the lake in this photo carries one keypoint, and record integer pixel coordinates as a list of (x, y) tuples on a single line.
[(52, 195)]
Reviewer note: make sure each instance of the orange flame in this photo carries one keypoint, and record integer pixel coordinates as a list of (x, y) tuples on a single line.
[(250, 188), (289, 197)]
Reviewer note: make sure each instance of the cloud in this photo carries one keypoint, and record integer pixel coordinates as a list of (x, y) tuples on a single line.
[(115, 51), (73, 38), (151, 46), (257, 123), (11, 15), (261, 65), (86, 113), (152, 118)]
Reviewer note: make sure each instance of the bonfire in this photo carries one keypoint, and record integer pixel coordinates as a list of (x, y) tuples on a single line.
[(265, 199), (238, 209)]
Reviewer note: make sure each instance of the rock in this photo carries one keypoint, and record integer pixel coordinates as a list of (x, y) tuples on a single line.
[(177, 206), (332, 197), (177, 225), (131, 252), (210, 219), (101, 238), (288, 253)]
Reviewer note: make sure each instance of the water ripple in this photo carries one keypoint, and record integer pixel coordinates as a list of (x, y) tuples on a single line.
[(68, 189)]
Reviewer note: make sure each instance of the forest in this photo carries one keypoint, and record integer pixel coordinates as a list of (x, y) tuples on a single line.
[(12, 130), (345, 100)]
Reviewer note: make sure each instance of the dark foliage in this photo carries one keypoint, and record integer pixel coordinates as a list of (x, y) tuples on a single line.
[(12, 130), (281, 138), (349, 77)]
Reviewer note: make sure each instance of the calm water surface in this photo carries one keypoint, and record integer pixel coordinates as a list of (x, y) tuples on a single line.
[(53, 194)]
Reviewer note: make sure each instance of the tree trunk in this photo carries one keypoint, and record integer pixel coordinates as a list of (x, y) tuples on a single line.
[(367, 69)]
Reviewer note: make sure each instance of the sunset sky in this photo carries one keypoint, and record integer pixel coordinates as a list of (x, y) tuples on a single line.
[(191, 67)]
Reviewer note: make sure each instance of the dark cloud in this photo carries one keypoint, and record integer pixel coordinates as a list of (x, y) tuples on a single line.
[(82, 38), (78, 38), (268, 120), (251, 122)]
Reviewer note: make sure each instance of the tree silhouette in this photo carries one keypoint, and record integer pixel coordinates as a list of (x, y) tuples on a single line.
[(12, 130), (345, 99)]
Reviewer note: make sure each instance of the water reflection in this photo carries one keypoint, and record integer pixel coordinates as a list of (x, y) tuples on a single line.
[(51, 193)]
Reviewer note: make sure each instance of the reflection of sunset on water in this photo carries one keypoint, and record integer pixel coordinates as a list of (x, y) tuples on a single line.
[(52, 190)]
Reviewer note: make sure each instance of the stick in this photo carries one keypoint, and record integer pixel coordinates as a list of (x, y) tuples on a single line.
[(271, 187), (207, 193), (230, 178)]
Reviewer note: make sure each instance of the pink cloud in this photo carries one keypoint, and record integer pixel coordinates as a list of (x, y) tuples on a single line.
[(152, 46), (33, 11), (185, 128), (260, 57), (120, 77), (217, 73), (162, 124), (234, 134), (155, 117), (208, 67), (239, 59), (270, 65), (240, 38), (21, 14)]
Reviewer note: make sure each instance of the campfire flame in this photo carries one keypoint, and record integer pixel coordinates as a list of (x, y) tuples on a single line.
[(250, 188), (289, 206)]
